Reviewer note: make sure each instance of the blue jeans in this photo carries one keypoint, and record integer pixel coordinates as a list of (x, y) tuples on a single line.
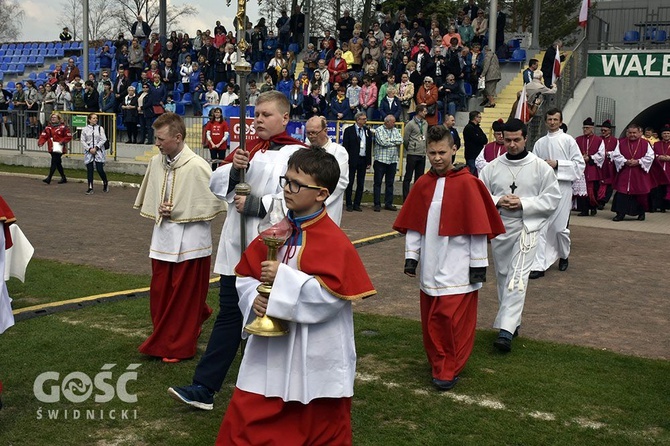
[(382, 170)]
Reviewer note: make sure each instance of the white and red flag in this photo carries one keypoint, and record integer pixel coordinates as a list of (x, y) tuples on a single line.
[(584, 13)]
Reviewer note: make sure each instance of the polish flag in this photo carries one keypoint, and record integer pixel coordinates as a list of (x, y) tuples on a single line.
[(522, 107), (584, 13), (557, 67)]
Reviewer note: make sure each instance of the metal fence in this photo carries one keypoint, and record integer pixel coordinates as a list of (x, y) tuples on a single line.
[(574, 70), (18, 133), (637, 26)]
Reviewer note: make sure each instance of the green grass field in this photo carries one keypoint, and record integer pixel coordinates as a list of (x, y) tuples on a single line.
[(541, 394)]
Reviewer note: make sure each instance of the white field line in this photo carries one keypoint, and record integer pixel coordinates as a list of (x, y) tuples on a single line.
[(484, 402)]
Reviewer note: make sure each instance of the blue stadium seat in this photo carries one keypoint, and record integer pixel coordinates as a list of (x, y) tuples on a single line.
[(6, 60), (11, 85), (219, 87), (51, 45), (58, 45), (66, 45), (42, 46), (43, 75), (4, 67), (259, 67), (19, 46), (51, 52), (60, 52), (20, 68), (649, 33), (2, 75), (32, 62), (2, 52), (34, 46), (25, 52), (518, 56), (11, 69), (294, 47), (12, 46), (32, 76), (468, 88), (4, 46), (40, 61), (180, 109), (660, 36), (52, 67), (631, 37), (514, 44), (176, 95)]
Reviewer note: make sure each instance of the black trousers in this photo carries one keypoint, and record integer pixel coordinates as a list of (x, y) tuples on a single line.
[(416, 165), (224, 340), (357, 172), (100, 167), (216, 155), (56, 164)]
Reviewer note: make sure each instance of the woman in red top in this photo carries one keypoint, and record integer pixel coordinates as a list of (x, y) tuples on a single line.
[(57, 135), (216, 136), (427, 96)]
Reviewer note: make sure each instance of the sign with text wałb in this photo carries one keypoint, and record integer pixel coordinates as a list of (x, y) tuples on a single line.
[(629, 65)]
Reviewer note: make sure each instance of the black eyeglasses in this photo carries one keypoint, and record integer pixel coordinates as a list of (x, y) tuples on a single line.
[(294, 186)]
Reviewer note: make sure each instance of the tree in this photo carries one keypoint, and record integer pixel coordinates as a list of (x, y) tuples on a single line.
[(128, 10), (71, 16), (11, 17)]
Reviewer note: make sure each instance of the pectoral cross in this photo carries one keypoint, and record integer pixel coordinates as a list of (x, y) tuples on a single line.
[(513, 186)]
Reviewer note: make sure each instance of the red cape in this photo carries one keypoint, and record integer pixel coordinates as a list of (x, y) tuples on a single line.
[(467, 208), (282, 139), (340, 271), (7, 217)]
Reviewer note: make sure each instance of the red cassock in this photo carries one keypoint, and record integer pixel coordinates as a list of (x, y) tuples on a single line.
[(660, 170), (632, 180), (608, 171), (448, 322), (589, 145), (493, 150), (6, 217)]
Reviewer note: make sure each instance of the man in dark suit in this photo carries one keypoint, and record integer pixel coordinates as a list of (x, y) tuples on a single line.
[(424, 64), (357, 140), (169, 74)]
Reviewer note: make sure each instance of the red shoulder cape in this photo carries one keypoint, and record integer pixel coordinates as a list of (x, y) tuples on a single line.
[(340, 270), (467, 208), (282, 139), (7, 217)]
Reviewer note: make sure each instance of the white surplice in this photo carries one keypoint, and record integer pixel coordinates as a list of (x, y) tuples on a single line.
[(443, 271), (513, 252), (554, 239), (317, 358)]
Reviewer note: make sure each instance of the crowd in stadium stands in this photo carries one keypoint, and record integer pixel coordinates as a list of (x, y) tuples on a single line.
[(390, 68)]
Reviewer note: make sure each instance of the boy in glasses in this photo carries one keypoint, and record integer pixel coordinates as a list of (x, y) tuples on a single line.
[(298, 387)]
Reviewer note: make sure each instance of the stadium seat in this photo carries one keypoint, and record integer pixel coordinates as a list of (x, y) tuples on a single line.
[(649, 33), (4, 67), (11, 86), (58, 45), (6, 59), (11, 69), (180, 109), (42, 46), (32, 61), (2, 75), (25, 52), (176, 95), (66, 45), (32, 76), (513, 44), (51, 53), (12, 46), (294, 47), (4, 46), (51, 45), (631, 37), (34, 46), (20, 68), (2, 52), (43, 75), (518, 56), (660, 36), (40, 61), (52, 67), (219, 87), (468, 88), (19, 46)]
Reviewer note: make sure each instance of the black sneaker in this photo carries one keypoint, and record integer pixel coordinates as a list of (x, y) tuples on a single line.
[(105, 188), (503, 344), (89, 191), (445, 385), (194, 395)]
